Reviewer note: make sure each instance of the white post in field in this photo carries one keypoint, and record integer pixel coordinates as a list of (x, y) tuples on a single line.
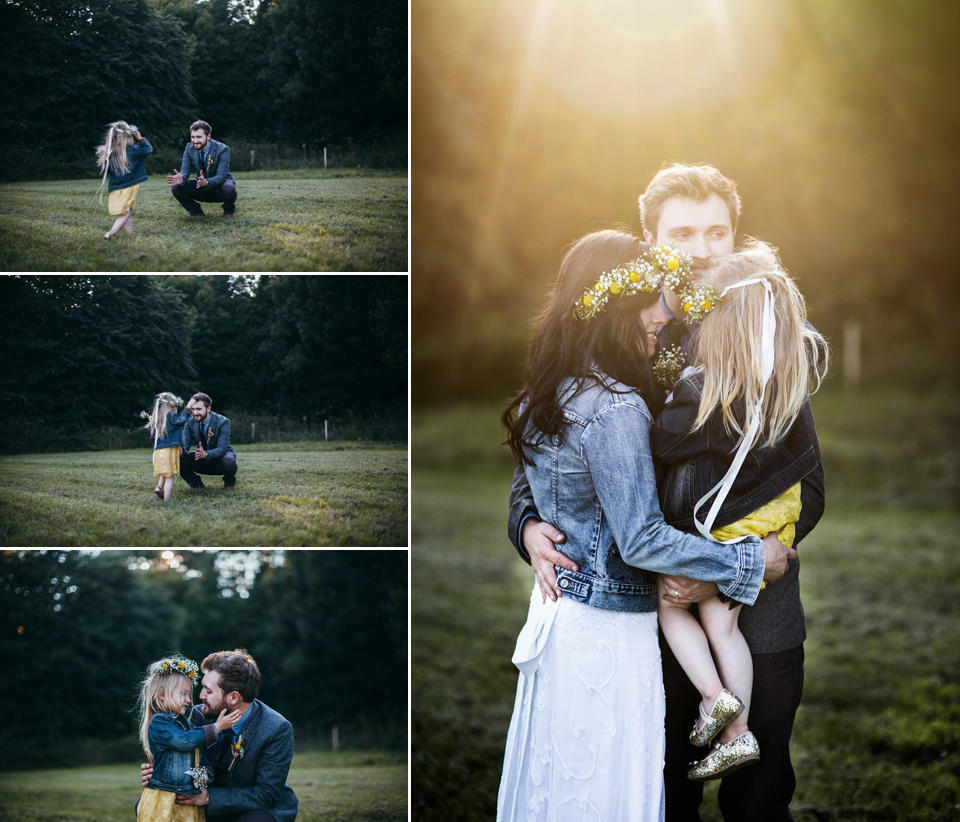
[(324, 156), (335, 738), (851, 354), (253, 157), (253, 431), (324, 430)]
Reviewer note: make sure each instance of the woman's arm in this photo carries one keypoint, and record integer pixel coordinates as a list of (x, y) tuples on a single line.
[(615, 445)]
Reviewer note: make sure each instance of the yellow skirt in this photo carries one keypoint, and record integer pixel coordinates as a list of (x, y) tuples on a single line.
[(166, 461), (122, 200), (160, 806), (783, 511)]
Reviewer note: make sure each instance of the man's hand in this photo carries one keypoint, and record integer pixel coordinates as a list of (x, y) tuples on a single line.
[(146, 771), (684, 589), (176, 179), (200, 453), (777, 556), (539, 538), (202, 799), (201, 180)]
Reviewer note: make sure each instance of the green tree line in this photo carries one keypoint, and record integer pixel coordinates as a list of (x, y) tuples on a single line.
[(841, 143), (77, 630), (301, 74), (86, 354)]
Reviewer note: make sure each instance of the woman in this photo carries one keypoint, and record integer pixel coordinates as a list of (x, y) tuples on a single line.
[(587, 729)]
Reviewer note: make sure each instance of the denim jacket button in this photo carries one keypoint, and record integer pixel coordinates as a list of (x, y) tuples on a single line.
[(564, 583)]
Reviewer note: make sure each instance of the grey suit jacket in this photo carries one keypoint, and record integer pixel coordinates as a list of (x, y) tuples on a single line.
[(257, 780)]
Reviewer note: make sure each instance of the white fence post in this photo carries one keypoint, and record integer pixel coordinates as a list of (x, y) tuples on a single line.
[(324, 156), (335, 738), (325, 430), (851, 354)]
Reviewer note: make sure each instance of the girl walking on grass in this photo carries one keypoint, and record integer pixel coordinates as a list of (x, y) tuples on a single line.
[(737, 423), (176, 749), (166, 425), (121, 157)]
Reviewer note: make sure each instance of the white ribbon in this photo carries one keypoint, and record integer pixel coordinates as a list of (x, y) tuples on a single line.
[(754, 415), (106, 166), (535, 632)]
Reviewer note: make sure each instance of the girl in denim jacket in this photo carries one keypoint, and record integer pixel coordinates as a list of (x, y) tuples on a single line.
[(754, 358), (166, 425), (173, 746), (121, 157)]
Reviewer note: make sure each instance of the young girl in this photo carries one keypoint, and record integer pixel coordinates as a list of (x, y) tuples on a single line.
[(123, 161), (166, 426), (173, 746), (736, 424)]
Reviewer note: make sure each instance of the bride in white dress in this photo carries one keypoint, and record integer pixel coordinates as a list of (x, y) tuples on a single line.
[(586, 739)]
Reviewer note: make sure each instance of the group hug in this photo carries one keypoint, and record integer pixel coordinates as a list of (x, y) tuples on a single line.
[(668, 468)]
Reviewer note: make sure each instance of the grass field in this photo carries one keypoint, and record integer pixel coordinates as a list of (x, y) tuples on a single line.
[(313, 494), (310, 220), (878, 733), (346, 785)]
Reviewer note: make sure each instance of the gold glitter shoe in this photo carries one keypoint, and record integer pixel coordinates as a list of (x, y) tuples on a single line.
[(727, 708), (725, 759)]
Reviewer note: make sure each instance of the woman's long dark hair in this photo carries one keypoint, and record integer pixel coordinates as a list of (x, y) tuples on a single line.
[(564, 346)]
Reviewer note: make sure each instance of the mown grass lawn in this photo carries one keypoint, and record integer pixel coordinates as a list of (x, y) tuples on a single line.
[(309, 220), (330, 787), (310, 494), (878, 733)]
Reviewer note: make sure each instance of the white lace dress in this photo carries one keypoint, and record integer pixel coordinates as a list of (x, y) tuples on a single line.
[(586, 741)]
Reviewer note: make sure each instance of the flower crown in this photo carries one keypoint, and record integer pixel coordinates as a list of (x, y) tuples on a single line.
[(663, 267), (177, 665)]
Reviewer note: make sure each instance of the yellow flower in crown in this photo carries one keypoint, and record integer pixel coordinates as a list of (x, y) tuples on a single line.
[(663, 266), (177, 665)]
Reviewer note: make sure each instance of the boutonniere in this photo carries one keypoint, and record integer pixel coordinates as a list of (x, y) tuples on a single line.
[(209, 432), (201, 777), (209, 159), (236, 751)]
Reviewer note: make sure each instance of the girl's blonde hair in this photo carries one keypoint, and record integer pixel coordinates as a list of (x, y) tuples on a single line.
[(164, 403), (158, 695), (113, 152), (729, 346)]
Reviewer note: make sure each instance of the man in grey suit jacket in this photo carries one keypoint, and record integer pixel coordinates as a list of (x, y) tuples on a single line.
[(210, 161), (252, 759), (214, 455)]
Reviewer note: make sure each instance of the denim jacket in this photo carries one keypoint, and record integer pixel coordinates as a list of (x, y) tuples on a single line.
[(690, 463), (136, 172), (596, 483), (173, 741), (175, 423)]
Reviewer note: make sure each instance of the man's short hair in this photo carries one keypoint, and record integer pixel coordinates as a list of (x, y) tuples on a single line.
[(202, 398), (690, 182), (201, 124), (238, 672)]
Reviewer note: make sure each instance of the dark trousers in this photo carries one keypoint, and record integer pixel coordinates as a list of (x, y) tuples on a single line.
[(225, 466), (759, 791), (190, 197), (248, 816)]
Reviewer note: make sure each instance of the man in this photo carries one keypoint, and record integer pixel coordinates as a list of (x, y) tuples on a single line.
[(210, 161), (210, 432), (698, 208), (252, 759)]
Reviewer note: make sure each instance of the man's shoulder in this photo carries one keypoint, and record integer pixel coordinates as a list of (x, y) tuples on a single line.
[(218, 146), (218, 418), (269, 717)]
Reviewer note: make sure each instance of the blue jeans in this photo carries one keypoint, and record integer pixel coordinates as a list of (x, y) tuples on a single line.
[(190, 197), (760, 791), (225, 466)]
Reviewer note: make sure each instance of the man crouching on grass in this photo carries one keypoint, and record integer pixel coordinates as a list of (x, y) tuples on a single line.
[(210, 161), (252, 759), (211, 434)]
